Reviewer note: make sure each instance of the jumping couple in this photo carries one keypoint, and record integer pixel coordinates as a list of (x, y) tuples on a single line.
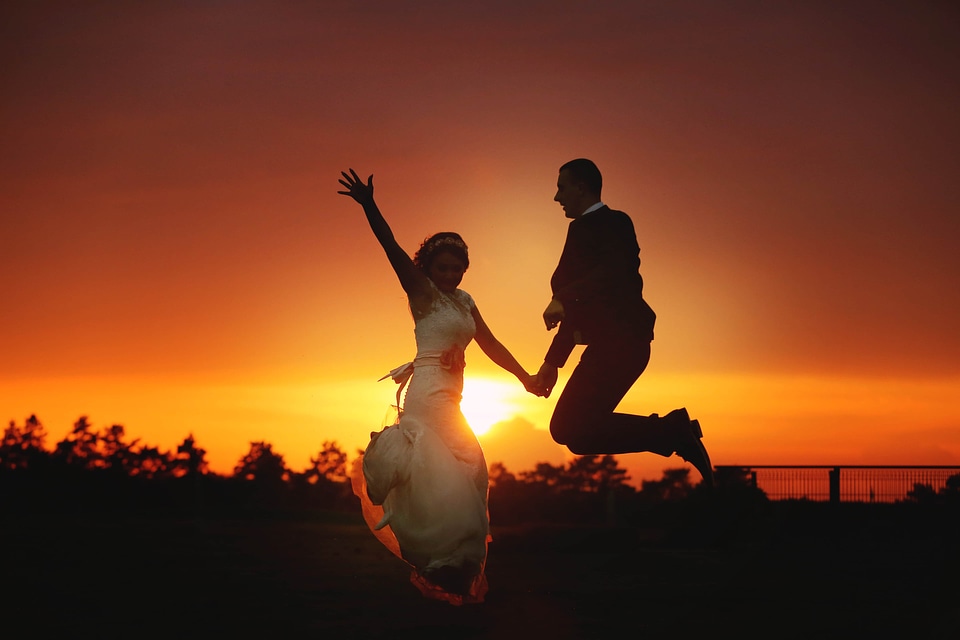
[(422, 481)]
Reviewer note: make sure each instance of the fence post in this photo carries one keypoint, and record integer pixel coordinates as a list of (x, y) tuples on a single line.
[(835, 485)]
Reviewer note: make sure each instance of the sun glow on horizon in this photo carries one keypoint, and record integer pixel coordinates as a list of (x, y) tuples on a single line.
[(488, 401)]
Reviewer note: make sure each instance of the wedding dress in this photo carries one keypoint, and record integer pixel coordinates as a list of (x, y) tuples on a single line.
[(422, 481)]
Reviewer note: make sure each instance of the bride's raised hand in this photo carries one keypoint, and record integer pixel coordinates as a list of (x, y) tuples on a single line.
[(356, 189)]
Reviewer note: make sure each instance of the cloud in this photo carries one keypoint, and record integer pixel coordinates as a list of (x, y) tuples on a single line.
[(519, 445)]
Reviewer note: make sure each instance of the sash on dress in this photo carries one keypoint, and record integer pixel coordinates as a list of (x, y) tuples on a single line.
[(452, 360)]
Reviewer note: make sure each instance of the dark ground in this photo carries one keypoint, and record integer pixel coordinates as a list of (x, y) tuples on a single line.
[(800, 570)]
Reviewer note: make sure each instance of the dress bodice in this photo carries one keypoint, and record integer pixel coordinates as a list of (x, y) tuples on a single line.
[(448, 323)]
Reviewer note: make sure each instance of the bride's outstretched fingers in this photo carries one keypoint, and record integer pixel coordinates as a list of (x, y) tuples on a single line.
[(355, 188)]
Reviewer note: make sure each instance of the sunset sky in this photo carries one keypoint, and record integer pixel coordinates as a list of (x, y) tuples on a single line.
[(174, 256)]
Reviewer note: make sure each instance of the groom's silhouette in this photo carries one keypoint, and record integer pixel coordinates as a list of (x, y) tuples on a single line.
[(598, 301)]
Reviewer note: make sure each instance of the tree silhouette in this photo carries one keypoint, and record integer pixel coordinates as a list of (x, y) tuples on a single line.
[(500, 477), (190, 459), (544, 473), (325, 483), (23, 448), (262, 465), (675, 485), (925, 493), (594, 474), (79, 447), (588, 488), (115, 454), (588, 474), (952, 486), (188, 466), (150, 462), (330, 464)]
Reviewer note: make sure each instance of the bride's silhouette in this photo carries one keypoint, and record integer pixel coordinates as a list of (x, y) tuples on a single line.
[(423, 480)]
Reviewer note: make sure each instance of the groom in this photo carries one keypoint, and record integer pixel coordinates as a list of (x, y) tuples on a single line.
[(598, 302)]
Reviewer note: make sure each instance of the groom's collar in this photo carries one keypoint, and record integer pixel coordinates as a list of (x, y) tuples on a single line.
[(599, 205)]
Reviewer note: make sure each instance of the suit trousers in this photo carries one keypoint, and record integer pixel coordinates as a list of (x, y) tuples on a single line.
[(584, 419)]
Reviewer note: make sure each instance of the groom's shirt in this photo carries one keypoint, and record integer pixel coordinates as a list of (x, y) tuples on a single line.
[(598, 282), (593, 207)]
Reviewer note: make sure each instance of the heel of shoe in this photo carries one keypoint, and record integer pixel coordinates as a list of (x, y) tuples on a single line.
[(695, 427)]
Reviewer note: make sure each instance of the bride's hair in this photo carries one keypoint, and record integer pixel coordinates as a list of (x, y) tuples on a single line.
[(445, 241)]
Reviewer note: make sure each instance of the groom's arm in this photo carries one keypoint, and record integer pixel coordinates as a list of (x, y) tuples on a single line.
[(561, 347)]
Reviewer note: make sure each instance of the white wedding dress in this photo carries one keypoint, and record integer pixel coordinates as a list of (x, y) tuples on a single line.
[(423, 480)]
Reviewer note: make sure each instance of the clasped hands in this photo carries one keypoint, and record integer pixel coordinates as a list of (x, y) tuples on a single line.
[(543, 382)]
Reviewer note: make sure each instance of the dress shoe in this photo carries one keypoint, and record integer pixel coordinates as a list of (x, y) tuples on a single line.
[(691, 448)]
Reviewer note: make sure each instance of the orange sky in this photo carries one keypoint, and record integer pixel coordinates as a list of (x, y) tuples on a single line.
[(174, 257)]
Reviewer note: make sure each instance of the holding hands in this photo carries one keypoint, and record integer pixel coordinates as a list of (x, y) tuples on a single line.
[(546, 379), (532, 385), (541, 384)]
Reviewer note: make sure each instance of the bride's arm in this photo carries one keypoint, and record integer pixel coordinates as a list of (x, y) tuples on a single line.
[(499, 354), (412, 279)]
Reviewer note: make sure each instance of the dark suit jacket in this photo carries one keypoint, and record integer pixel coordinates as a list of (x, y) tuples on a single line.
[(599, 284)]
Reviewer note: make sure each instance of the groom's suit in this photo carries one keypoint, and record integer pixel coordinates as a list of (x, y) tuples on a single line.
[(599, 284), (598, 281)]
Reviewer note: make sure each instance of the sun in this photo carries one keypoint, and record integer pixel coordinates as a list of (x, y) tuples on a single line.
[(486, 402)]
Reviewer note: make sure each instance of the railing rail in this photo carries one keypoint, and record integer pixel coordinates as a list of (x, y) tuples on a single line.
[(842, 483)]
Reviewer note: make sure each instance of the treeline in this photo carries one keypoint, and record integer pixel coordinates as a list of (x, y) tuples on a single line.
[(102, 470)]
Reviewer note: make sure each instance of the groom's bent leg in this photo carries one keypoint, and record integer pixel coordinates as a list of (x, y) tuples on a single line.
[(584, 418)]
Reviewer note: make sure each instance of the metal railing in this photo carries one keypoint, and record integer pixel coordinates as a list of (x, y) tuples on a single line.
[(842, 483)]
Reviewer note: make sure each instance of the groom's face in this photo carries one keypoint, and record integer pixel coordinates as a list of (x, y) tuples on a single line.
[(571, 195)]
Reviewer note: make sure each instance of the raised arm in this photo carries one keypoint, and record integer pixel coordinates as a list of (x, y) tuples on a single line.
[(500, 355), (412, 279)]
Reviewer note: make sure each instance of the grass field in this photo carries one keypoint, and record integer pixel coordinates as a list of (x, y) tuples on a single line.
[(795, 571)]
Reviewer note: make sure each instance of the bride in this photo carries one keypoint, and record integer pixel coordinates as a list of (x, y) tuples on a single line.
[(423, 480)]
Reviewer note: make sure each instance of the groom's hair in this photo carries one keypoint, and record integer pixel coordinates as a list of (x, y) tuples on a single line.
[(585, 171)]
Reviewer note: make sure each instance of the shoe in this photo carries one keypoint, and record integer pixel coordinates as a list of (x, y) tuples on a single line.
[(691, 449)]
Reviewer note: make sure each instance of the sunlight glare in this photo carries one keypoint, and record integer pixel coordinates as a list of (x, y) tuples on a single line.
[(486, 402)]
